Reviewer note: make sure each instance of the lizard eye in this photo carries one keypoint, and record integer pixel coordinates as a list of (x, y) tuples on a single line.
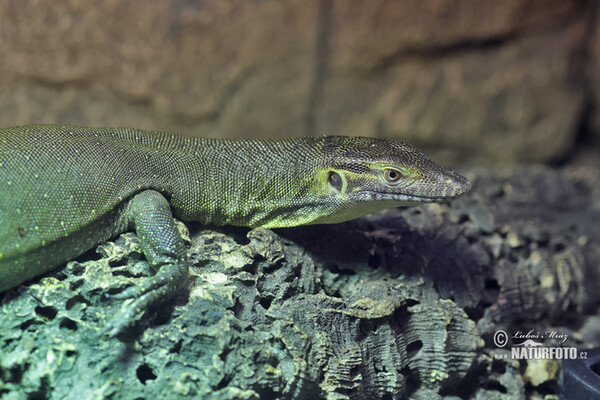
[(392, 175)]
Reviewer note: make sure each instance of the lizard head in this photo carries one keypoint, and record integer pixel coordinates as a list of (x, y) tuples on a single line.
[(368, 174)]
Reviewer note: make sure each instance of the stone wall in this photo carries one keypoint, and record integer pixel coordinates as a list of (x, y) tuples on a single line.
[(466, 79)]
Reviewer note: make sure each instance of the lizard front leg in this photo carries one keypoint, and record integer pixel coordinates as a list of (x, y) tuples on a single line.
[(149, 214)]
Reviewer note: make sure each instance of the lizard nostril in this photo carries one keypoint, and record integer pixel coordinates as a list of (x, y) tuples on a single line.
[(466, 185)]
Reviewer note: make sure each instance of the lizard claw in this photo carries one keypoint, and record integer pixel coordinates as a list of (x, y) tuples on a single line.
[(139, 298)]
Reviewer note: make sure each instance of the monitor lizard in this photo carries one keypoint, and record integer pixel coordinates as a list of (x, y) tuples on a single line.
[(66, 189)]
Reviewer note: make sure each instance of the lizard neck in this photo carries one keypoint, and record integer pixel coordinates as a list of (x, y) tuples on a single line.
[(272, 183)]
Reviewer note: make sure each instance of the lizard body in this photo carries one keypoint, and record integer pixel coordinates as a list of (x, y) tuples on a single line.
[(65, 189)]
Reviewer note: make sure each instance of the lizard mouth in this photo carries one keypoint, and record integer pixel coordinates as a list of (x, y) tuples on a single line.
[(406, 198), (377, 196)]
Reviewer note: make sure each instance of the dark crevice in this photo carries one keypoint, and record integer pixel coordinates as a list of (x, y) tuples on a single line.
[(474, 313), (440, 51), (77, 299), (224, 382), (26, 324), (238, 308), (48, 313), (144, 373), (177, 347), (322, 50), (69, 324), (413, 348), (499, 367), (412, 379), (495, 386), (265, 301), (336, 269)]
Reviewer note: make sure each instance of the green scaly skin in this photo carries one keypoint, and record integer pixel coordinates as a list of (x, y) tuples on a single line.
[(65, 189)]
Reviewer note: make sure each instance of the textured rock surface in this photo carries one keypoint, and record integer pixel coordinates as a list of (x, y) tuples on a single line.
[(404, 303), (467, 78)]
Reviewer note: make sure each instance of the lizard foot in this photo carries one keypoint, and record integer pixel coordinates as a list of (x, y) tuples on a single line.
[(152, 291)]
